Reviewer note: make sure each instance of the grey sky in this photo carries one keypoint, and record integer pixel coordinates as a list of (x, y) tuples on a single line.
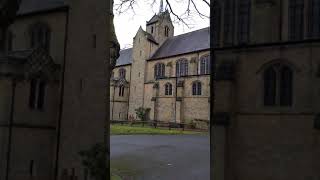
[(128, 23)]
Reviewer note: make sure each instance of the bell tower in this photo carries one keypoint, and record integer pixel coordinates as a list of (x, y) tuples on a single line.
[(160, 25)]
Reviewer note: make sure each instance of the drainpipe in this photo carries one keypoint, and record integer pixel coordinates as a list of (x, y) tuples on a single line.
[(13, 94), (61, 98), (175, 100), (128, 98), (114, 89)]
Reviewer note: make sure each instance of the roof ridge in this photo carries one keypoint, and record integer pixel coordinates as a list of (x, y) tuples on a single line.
[(189, 32), (125, 49)]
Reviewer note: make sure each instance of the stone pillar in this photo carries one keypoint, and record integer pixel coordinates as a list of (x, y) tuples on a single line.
[(179, 101), (220, 143), (155, 93), (169, 69), (178, 110), (76, 134), (5, 103), (194, 66), (224, 101)]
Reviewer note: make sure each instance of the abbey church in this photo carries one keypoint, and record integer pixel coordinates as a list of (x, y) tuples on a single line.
[(266, 116), (164, 73)]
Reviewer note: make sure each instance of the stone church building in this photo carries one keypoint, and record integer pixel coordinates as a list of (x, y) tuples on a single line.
[(267, 84), (167, 74), (54, 68)]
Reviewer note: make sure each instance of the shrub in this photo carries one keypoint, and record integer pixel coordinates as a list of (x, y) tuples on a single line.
[(142, 113), (192, 124), (94, 160)]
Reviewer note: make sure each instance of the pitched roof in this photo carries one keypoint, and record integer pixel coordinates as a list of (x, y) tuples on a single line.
[(150, 37), (154, 19), (33, 6), (125, 57), (185, 43)]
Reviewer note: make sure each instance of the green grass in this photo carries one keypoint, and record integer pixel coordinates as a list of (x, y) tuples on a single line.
[(131, 130), (115, 177)]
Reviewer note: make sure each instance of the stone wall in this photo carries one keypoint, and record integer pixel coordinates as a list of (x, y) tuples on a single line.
[(85, 113), (264, 142), (138, 69), (165, 108)]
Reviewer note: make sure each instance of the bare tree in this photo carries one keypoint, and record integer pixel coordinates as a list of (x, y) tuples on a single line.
[(192, 8)]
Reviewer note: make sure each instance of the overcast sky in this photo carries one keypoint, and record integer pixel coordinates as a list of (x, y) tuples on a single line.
[(128, 23)]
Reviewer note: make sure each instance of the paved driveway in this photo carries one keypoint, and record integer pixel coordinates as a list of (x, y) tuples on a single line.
[(158, 157)]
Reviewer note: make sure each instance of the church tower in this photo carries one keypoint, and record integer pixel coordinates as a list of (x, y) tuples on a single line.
[(160, 26), (158, 29)]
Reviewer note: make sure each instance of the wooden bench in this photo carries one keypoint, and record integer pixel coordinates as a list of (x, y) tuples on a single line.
[(170, 125), (118, 122)]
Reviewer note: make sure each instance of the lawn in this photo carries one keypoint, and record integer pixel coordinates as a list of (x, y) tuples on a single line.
[(131, 130)]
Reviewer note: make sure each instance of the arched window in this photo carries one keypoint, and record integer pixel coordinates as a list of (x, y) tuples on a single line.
[(37, 94), (204, 64), (121, 91), (296, 23), (244, 8), (182, 67), (168, 89), (159, 71), (166, 31), (270, 80), (278, 84), (286, 86), (40, 36), (228, 22), (196, 88), (314, 19), (122, 73), (9, 39)]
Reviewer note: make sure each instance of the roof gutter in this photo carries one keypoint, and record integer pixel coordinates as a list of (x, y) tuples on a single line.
[(41, 12), (170, 56)]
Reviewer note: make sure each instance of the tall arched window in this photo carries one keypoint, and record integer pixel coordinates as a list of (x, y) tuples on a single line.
[(159, 71), (286, 86), (40, 36), (37, 94), (278, 85), (166, 31), (182, 67), (228, 22), (296, 25), (121, 91), (270, 81), (204, 64), (122, 73), (196, 88), (244, 8), (314, 19), (168, 89), (9, 39)]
